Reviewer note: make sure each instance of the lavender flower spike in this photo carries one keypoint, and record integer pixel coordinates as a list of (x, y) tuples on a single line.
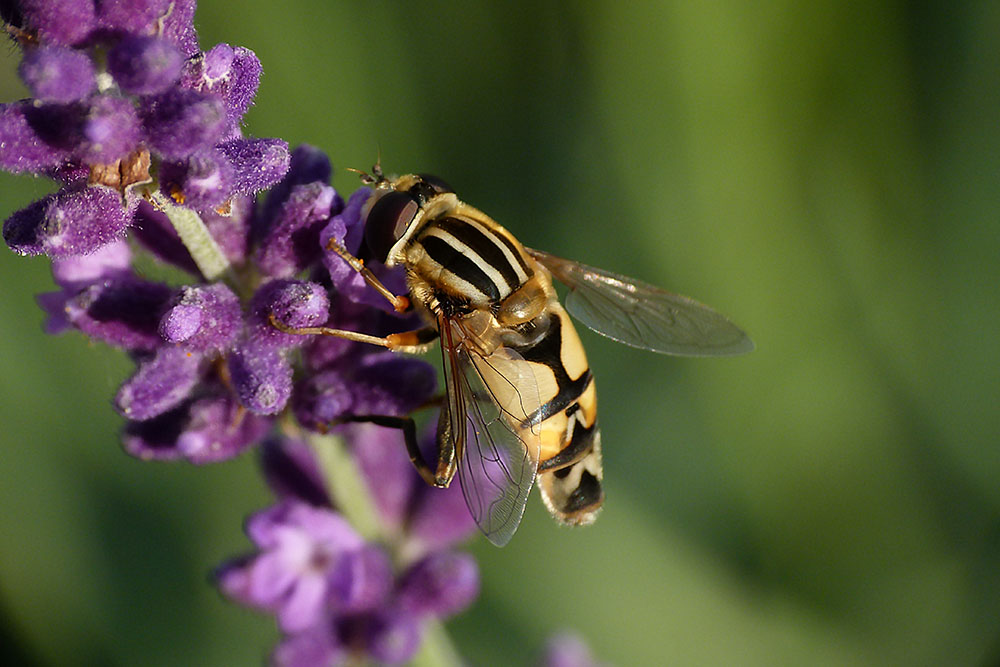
[(142, 135)]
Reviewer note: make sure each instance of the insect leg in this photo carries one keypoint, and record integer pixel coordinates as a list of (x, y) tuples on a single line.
[(406, 425), (400, 303), (447, 452), (404, 341)]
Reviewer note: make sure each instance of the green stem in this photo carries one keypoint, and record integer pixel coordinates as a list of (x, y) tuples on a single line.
[(437, 649), (347, 488), (194, 234), (350, 495)]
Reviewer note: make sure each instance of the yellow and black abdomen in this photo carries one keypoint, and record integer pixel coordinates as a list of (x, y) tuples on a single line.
[(569, 465)]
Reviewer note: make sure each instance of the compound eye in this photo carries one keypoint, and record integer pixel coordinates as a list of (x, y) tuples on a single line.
[(437, 184), (387, 222)]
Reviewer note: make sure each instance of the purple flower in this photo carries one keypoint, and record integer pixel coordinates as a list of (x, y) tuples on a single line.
[(25, 149), (109, 130), (202, 181), (301, 549), (294, 304), (66, 22), (75, 221), (144, 65), (257, 163), (210, 429), (131, 15), (113, 260), (123, 312), (567, 649), (442, 584), (262, 378), (159, 384), (369, 604), (231, 73), (179, 123), (292, 241), (204, 319), (308, 649), (58, 74)]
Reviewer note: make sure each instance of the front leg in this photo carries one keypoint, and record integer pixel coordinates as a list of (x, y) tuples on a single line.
[(406, 341)]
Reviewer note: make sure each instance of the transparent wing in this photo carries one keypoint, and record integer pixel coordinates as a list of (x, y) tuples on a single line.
[(642, 315), (489, 398)]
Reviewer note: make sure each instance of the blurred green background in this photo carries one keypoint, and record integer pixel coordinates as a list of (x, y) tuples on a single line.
[(825, 173)]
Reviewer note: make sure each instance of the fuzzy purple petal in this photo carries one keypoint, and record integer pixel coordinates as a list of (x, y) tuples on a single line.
[(58, 74), (178, 27), (308, 164), (261, 377), (316, 647), (294, 303), (145, 65), (110, 130), (111, 261), (346, 229), (390, 384), (232, 73), (231, 229), (24, 147), (218, 430), (205, 318), (291, 471), (74, 221), (257, 163), (156, 439), (64, 22), (321, 399), (121, 312), (179, 123), (293, 238), (393, 637), (440, 585), (159, 384), (202, 181), (361, 580), (136, 16)]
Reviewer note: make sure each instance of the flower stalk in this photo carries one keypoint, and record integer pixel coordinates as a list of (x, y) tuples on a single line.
[(346, 485), (191, 229)]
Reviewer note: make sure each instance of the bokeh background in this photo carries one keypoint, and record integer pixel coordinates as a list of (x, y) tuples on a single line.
[(825, 173)]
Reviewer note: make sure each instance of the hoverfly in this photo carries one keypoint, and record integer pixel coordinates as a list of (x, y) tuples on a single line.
[(519, 401)]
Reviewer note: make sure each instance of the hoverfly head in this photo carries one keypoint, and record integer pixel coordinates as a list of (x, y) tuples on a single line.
[(396, 207)]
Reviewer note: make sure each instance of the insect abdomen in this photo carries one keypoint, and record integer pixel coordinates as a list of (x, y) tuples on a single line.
[(569, 465)]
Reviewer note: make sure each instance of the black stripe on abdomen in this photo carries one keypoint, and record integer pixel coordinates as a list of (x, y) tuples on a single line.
[(548, 352)]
